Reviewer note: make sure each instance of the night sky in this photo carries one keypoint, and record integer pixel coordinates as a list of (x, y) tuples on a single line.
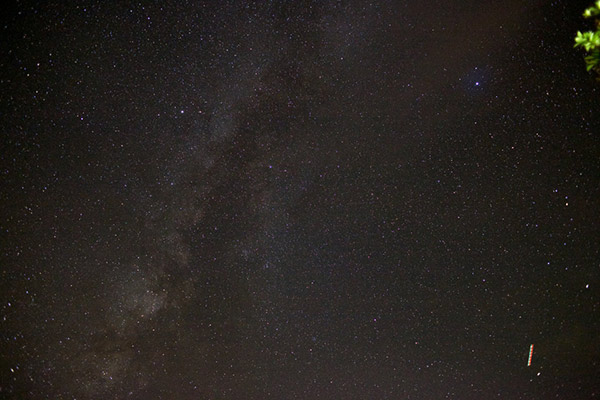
[(298, 200)]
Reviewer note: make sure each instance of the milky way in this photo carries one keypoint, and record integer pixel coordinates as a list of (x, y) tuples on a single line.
[(298, 200)]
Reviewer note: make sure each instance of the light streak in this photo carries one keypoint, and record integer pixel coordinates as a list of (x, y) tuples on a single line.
[(530, 354)]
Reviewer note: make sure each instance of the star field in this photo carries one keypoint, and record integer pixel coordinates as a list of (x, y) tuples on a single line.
[(298, 200)]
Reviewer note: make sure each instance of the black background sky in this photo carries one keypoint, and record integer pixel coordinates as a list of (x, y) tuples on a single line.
[(298, 200)]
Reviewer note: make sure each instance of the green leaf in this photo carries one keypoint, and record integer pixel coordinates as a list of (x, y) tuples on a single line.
[(590, 40), (579, 39), (592, 60), (592, 11)]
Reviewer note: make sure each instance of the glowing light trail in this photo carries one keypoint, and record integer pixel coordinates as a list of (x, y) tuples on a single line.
[(530, 354)]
